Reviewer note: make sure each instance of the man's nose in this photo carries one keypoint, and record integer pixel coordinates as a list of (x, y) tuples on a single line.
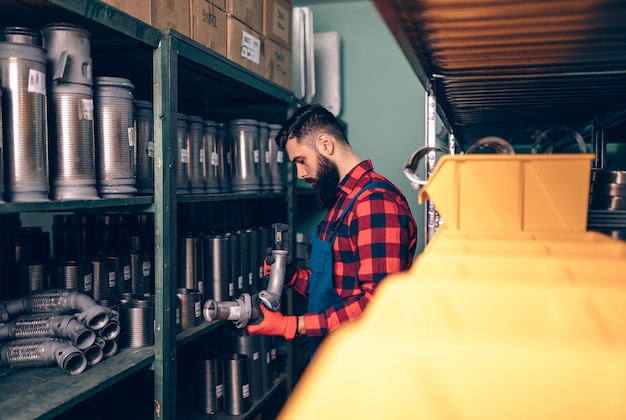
[(301, 172)]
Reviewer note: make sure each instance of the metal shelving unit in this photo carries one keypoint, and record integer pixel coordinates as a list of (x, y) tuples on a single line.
[(496, 67), (177, 75)]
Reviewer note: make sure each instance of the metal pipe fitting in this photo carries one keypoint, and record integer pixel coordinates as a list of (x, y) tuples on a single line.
[(59, 301), (112, 328), (39, 352), (240, 310), (271, 296), (48, 325), (95, 352)]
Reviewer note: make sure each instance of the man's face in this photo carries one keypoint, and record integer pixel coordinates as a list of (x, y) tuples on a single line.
[(316, 170)]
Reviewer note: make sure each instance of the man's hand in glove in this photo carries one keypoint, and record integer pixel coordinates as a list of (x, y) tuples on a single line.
[(275, 323), (290, 269)]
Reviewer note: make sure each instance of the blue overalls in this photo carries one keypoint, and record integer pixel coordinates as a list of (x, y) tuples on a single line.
[(322, 294)]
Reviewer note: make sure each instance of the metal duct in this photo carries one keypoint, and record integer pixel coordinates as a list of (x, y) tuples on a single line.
[(190, 307), (236, 384), (195, 151), (243, 343), (182, 158), (144, 128), (211, 389), (244, 137), (211, 158), (137, 322), (115, 137)]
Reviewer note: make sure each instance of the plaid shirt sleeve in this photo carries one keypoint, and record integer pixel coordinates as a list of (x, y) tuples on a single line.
[(377, 238)]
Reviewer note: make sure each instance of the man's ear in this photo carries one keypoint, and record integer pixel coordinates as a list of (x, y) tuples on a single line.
[(325, 145)]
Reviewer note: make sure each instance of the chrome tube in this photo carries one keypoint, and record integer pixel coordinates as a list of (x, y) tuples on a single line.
[(38, 352)]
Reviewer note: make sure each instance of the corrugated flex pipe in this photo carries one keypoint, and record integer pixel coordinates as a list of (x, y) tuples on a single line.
[(48, 325), (60, 301), (38, 352)]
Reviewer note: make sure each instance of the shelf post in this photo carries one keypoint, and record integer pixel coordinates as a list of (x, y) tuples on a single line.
[(165, 74), (431, 215)]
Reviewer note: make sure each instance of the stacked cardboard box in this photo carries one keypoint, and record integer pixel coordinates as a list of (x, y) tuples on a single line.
[(208, 24), (253, 33), (277, 31)]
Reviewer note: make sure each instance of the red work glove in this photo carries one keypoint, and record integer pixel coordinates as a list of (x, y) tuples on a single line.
[(268, 261), (274, 323)]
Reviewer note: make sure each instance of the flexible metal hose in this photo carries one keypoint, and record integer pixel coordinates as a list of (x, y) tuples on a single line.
[(38, 352), (57, 300), (48, 325)]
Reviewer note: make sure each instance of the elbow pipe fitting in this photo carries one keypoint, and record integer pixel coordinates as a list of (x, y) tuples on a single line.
[(39, 352), (240, 310), (48, 325), (111, 330), (58, 300), (95, 352), (271, 296)]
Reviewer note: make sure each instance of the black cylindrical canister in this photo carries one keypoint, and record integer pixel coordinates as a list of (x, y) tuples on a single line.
[(279, 162), (190, 262), (265, 350), (237, 268), (225, 157), (236, 384), (190, 307), (195, 151), (211, 389), (264, 161), (141, 273), (246, 266), (244, 137), (256, 259), (72, 274), (115, 137), (144, 129), (182, 155), (104, 277), (243, 343), (211, 158), (218, 263)]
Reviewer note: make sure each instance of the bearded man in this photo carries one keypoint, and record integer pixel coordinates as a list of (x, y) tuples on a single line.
[(367, 233)]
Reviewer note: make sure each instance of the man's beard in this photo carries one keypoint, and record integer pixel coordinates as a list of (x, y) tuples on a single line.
[(326, 183)]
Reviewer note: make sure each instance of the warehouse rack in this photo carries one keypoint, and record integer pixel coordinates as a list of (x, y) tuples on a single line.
[(177, 75), (493, 68)]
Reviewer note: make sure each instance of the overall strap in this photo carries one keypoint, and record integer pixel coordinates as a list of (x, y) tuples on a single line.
[(339, 221)]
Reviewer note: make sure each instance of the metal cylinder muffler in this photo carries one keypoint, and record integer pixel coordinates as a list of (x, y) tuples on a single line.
[(38, 352), (23, 83), (211, 158), (144, 128), (115, 137), (244, 136), (182, 155)]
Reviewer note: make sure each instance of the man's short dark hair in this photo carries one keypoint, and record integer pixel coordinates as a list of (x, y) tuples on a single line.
[(309, 119)]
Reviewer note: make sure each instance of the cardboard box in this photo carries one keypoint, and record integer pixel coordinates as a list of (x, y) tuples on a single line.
[(245, 46), (277, 21), (221, 4), (139, 9), (171, 14), (278, 64), (249, 12), (208, 25)]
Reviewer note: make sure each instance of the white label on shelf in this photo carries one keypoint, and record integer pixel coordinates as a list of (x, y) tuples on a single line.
[(256, 156), (229, 159), (197, 309), (87, 105), (250, 277), (274, 355), (219, 390), (279, 156), (299, 237), (250, 47), (36, 82), (215, 159), (267, 156), (235, 313), (87, 282), (177, 316), (245, 390), (255, 355), (268, 357), (240, 282), (201, 286), (184, 157), (112, 279), (126, 272), (150, 149), (131, 137), (261, 272), (231, 289), (201, 155), (146, 268)]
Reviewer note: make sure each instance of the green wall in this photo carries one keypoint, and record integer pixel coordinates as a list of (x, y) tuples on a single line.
[(382, 101)]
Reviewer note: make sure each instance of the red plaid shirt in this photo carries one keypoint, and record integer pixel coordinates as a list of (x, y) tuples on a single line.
[(377, 237)]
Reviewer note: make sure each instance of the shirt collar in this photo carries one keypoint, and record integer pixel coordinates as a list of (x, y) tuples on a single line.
[(351, 180)]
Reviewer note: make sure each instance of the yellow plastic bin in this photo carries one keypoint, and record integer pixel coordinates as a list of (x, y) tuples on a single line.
[(513, 310)]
